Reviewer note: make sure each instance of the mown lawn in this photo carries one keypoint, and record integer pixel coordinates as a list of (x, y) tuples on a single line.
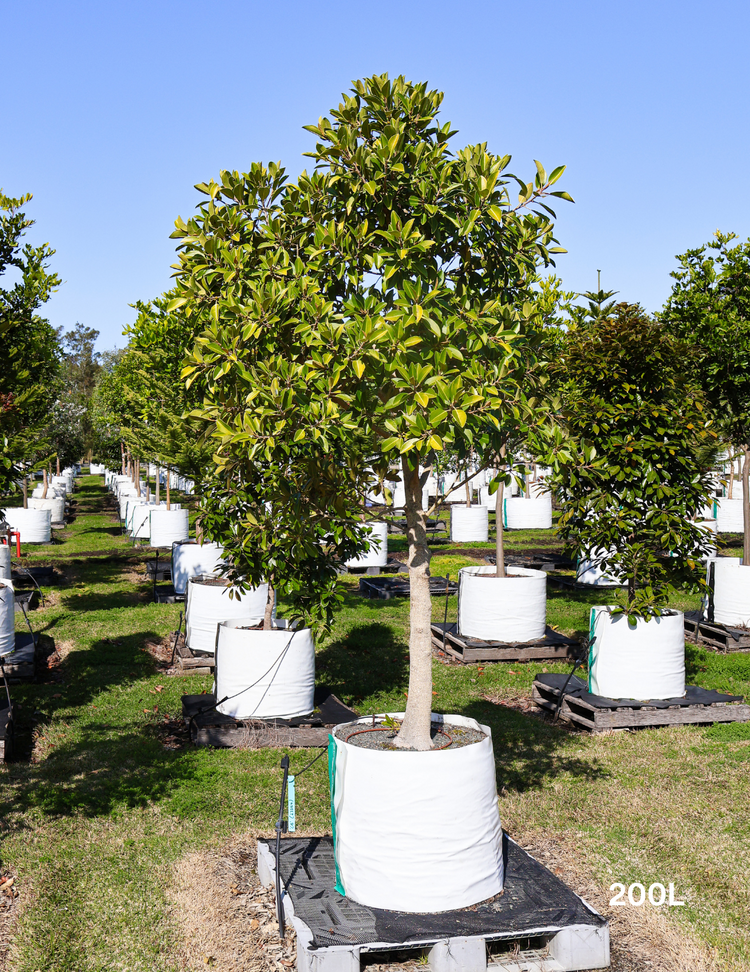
[(97, 811)]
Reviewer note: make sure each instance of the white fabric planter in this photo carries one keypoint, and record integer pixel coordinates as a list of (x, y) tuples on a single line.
[(127, 505), (729, 515), (469, 523), (35, 526), (7, 618), (520, 513), (731, 591), (124, 498), (168, 526), (208, 604), (377, 557), (644, 662), (511, 609), (61, 482), (591, 572), (416, 832), (4, 561), (95, 469), (56, 506), (139, 521), (190, 558), (266, 674), (711, 528)]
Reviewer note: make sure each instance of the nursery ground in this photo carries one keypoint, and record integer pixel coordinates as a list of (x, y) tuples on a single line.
[(108, 813)]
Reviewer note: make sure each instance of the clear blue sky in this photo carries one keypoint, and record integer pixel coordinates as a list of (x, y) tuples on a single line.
[(112, 111)]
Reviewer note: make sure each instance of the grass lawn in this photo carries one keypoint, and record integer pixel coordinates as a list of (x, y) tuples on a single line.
[(100, 811)]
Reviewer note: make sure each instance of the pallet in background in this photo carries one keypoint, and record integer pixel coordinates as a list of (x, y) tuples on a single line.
[(699, 706), (189, 662), (388, 587), (535, 562), (20, 665), (162, 569), (711, 634), (553, 647), (166, 595)]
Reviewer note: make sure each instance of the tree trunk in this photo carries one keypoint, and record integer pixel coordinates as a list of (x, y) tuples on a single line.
[(746, 506), (138, 477), (45, 481), (499, 532), (415, 732), (25, 491), (731, 478), (468, 493), (268, 615), (158, 483), (58, 465), (169, 500)]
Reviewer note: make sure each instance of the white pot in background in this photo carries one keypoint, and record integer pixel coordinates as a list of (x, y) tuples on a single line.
[(61, 482), (7, 618), (139, 520), (208, 604), (728, 514), (4, 561), (711, 528), (190, 558), (417, 831), (168, 526), (96, 469), (508, 609), (56, 506), (266, 674), (731, 591), (642, 662), (377, 557), (35, 526), (469, 523), (127, 505), (520, 513), (590, 571)]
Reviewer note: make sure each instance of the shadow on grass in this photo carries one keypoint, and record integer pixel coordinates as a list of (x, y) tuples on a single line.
[(369, 659)]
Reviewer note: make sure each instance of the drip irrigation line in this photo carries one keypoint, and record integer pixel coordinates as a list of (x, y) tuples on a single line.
[(27, 572), (177, 634), (578, 662)]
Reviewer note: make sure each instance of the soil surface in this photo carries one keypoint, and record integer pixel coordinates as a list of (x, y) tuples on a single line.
[(445, 735)]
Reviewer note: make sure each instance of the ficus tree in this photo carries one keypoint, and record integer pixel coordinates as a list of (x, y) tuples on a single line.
[(626, 453), (399, 272), (709, 308)]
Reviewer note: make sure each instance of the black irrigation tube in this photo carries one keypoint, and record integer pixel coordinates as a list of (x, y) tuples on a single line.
[(27, 572), (177, 634)]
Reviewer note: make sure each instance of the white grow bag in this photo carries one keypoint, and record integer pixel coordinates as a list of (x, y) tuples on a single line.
[(728, 513), (266, 674), (711, 528), (520, 513), (55, 504), (190, 558), (731, 591), (208, 604), (644, 662), (95, 469), (590, 571), (7, 618), (4, 561), (168, 526), (512, 608), (377, 557), (416, 831), (35, 526), (61, 482), (469, 523), (139, 521)]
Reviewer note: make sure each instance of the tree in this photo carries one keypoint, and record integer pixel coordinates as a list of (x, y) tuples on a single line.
[(709, 307), (626, 459), (399, 273)]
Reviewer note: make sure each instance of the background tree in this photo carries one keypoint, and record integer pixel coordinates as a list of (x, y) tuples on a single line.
[(626, 462), (709, 307)]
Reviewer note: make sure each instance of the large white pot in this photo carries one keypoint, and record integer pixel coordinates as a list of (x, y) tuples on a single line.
[(208, 604), (728, 514), (128, 505), (731, 591), (469, 523), (416, 831), (96, 469), (61, 482), (590, 571), (139, 520), (266, 674), (520, 513), (168, 526), (4, 561), (190, 558), (56, 506), (35, 526), (125, 497), (377, 557), (509, 609), (7, 618), (642, 662)]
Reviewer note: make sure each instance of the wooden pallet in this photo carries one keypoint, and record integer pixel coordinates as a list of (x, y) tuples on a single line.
[(388, 587), (392, 566), (553, 647), (711, 634), (593, 712), (166, 595), (20, 665), (439, 525), (211, 728), (189, 662), (535, 563), (162, 569)]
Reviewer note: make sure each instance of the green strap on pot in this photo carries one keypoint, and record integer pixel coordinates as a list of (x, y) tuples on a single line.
[(505, 511), (592, 639), (339, 886)]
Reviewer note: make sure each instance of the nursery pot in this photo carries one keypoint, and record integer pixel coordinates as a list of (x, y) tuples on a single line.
[(728, 513), (55, 504), (4, 561), (139, 520), (509, 609), (190, 558), (266, 674), (415, 831), (469, 523), (590, 571), (377, 557), (642, 662), (35, 526), (7, 618), (208, 604), (520, 513), (731, 584), (168, 526)]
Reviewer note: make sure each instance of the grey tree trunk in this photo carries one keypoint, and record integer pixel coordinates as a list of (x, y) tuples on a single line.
[(45, 480), (268, 615), (415, 731), (58, 465), (169, 500), (499, 532), (468, 493), (746, 506), (25, 491)]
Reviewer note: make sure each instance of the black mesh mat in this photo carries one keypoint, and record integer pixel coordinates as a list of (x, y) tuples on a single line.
[(533, 900), (578, 690)]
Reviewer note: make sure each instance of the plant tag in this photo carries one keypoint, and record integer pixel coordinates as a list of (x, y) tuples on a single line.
[(291, 798)]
